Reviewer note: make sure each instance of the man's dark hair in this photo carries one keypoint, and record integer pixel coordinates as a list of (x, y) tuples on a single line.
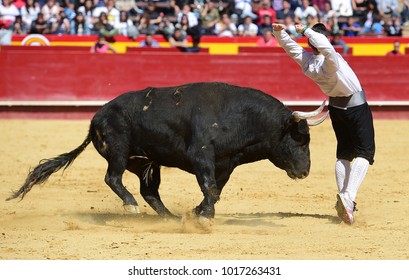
[(320, 28)]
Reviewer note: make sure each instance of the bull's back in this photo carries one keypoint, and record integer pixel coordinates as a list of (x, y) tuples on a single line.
[(165, 122)]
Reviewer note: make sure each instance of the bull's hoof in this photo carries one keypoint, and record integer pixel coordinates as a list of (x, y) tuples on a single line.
[(205, 223), (132, 209), (191, 223)]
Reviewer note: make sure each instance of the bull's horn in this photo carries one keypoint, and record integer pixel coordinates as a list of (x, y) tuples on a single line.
[(317, 121), (298, 115)]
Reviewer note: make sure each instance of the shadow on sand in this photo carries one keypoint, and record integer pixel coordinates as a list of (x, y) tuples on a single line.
[(236, 219)]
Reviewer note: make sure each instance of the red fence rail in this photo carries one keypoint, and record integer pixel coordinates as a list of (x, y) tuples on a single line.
[(60, 76)]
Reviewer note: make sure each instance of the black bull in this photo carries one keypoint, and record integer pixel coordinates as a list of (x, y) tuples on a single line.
[(206, 129)]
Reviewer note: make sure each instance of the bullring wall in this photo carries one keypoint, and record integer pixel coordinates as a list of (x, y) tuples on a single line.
[(77, 83)]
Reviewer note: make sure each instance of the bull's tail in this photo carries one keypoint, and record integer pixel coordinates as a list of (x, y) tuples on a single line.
[(46, 167)]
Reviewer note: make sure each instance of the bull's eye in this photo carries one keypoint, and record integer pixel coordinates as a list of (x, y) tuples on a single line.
[(299, 137)]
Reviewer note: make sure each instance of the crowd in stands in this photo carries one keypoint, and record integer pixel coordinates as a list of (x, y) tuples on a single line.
[(224, 18)]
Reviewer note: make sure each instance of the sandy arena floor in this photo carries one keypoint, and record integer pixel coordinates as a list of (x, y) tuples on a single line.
[(263, 214)]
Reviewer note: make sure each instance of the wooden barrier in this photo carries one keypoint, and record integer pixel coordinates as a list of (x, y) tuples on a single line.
[(160, 49), (280, 50), (63, 79), (81, 49)]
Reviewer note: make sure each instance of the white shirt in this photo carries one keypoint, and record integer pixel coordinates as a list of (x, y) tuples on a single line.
[(302, 13), (9, 13), (218, 29), (252, 29), (384, 5), (343, 8), (244, 5), (30, 15), (328, 69), (192, 19)]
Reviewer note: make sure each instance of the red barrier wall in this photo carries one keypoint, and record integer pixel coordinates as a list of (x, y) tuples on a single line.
[(66, 76)]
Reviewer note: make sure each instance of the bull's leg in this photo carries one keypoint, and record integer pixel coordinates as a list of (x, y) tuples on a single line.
[(205, 174), (221, 180), (111, 139), (149, 176), (113, 178)]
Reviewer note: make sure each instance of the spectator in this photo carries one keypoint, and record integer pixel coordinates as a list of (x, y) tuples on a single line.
[(102, 46), (196, 35), (267, 39), (145, 26), (155, 17), (78, 3), (8, 13), (166, 27), (327, 13), (149, 42), (70, 12), (278, 5), (387, 7), (5, 34), (359, 10), (112, 13), (332, 24), (30, 12), (99, 7), (267, 22), (99, 3), (311, 20), (102, 26), (225, 28), (396, 49), (60, 24), (19, 27), (178, 39), (372, 11), (377, 27), (19, 4), (393, 26), (50, 10), (125, 24), (195, 7), (294, 4), (87, 10), (209, 16), (351, 28), (337, 41), (193, 20), (286, 10), (244, 8), (405, 10), (290, 27), (318, 6), (234, 18), (80, 25), (172, 11), (303, 11), (343, 8), (39, 25), (248, 28), (184, 24), (266, 9)]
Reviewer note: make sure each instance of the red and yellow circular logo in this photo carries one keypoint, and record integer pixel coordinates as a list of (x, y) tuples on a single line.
[(35, 40)]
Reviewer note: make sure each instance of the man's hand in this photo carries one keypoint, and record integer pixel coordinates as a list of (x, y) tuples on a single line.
[(278, 27), (300, 28)]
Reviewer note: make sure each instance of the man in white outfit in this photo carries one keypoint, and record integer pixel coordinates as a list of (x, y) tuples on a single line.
[(350, 114)]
